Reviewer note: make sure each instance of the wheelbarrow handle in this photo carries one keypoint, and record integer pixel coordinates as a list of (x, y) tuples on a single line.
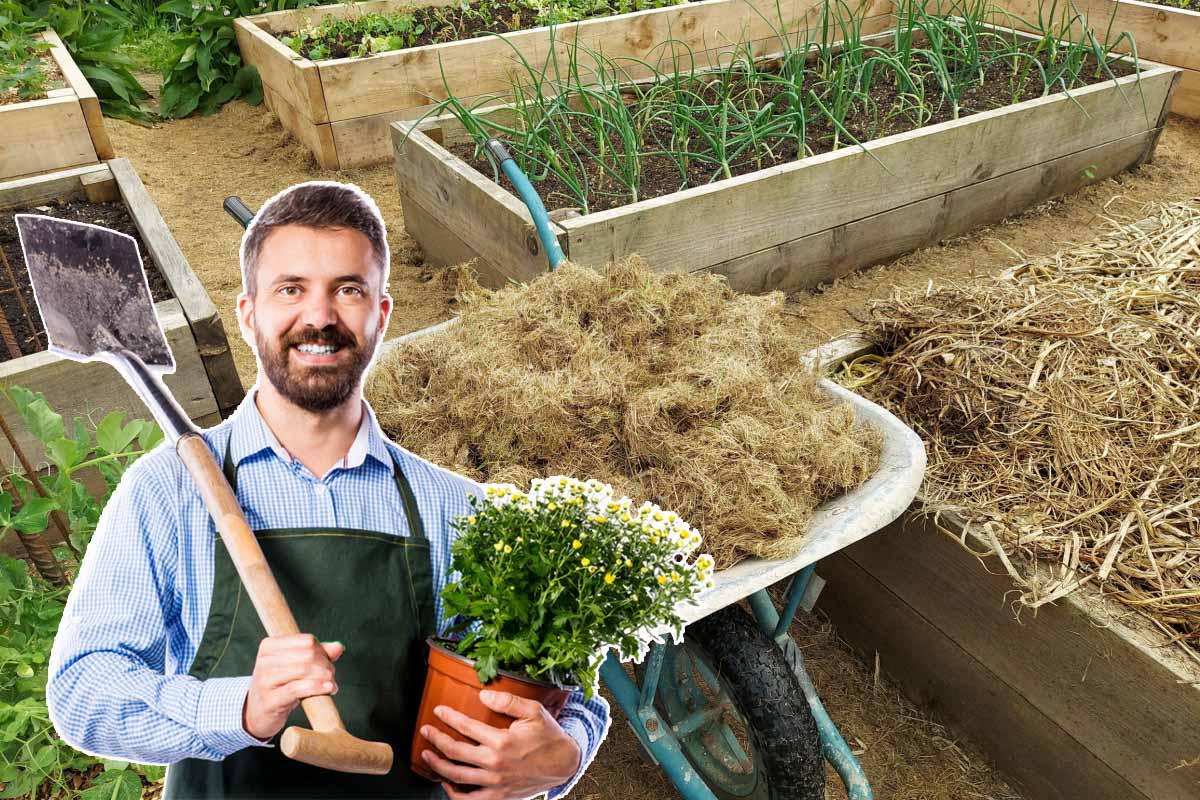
[(238, 210)]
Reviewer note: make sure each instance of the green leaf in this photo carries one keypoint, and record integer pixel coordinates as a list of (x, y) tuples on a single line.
[(122, 784), (32, 517), (24, 671), (112, 437), (247, 79), (64, 453), (150, 436), (6, 503), (41, 420), (153, 772)]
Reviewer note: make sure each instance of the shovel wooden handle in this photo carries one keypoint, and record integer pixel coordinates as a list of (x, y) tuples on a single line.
[(328, 744)]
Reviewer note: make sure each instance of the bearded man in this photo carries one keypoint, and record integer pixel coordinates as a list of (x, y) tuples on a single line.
[(160, 657)]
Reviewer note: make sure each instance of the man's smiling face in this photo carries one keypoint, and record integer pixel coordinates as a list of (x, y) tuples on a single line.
[(318, 312)]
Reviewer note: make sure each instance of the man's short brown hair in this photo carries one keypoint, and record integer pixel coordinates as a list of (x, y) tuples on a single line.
[(315, 204)]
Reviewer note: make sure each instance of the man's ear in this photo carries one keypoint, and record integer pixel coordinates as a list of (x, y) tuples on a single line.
[(245, 315), (385, 312)]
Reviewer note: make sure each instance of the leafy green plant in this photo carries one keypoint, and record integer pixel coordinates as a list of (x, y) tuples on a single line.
[(550, 580), (93, 32), (593, 132), (359, 34), (22, 64), (206, 69), (32, 758)]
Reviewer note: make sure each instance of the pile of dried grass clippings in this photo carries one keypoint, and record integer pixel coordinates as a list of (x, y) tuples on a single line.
[(667, 386), (1060, 408)]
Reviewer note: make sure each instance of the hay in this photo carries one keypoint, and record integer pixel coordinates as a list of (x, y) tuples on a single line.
[(1061, 409), (669, 387)]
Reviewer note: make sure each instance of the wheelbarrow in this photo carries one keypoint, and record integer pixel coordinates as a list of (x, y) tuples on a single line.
[(730, 712)]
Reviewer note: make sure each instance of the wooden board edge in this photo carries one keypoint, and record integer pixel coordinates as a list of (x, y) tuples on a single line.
[(88, 101), (937, 674), (48, 186)]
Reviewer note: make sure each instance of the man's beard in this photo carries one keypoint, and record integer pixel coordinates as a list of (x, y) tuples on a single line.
[(315, 388)]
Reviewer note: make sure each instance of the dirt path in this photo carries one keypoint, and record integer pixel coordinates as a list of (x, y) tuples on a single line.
[(189, 166)]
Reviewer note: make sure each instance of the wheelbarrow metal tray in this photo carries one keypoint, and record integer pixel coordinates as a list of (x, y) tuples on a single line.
[(836, 523), (341, 108), (796, 225)]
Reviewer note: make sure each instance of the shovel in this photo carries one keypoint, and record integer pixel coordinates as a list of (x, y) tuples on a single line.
[(92, 292)]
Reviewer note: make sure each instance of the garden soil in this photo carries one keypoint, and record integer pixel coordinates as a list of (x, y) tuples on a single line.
[(191, 165)]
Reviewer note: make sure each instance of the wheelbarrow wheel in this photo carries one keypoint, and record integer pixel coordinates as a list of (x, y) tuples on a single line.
[(738, 710)]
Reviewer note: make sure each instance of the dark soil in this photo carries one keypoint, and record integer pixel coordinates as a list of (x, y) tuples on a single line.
[(661, 175), (453, 23), (27, 328)]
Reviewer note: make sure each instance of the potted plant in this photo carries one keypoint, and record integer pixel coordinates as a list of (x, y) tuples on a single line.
[(548, 581)]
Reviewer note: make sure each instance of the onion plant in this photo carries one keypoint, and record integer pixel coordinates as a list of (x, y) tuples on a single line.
[(596, 129)]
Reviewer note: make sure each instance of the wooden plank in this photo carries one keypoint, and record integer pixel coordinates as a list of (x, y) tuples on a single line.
[(88, 101), (64, 184), (318, 138), (779, 204), (823, 257), (441, 248), (1028, 747), (100, 187), (1162, 33), (207, 329), (41, 135), (288, 74), (358, 87), (1130, 703), (74, 389), (1186, 101), (484, 217)]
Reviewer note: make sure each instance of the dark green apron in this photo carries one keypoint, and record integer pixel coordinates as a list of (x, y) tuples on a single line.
[(370, 590)]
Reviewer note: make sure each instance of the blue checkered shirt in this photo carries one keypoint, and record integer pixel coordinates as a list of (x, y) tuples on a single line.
[(119, 684)]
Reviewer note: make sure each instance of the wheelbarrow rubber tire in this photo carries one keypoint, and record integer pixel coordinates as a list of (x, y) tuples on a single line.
[(783, 733)]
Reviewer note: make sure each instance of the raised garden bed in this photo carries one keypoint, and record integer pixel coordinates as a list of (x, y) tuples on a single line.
[(341, 108), (802, 223), (205, 380), (64, 129), (1163, 32), (1077, 700)]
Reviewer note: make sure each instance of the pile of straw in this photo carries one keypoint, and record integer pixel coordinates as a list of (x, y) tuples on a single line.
[(1061, 408), (668, 387)]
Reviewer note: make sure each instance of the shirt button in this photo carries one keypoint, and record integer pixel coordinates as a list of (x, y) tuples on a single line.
[(319, 488)]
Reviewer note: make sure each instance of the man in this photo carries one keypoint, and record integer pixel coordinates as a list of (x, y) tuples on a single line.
[(160, 657)]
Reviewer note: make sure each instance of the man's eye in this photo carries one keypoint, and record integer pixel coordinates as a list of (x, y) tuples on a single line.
[(353, 290), (289, 290)]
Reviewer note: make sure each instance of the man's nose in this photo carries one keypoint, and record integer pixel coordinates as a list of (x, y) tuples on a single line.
[(319, 310)]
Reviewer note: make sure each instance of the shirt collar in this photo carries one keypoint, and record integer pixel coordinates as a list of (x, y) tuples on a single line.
[(251, 435)]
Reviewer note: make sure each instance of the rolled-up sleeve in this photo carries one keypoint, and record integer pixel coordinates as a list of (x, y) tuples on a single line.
[(587, 722), (107, 692)]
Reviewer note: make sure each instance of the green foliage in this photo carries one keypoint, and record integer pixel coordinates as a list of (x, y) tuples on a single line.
[(207, 69), (550, 580), (368, 34), (93, 33), (594, 130), (32, 758), (22, 64), (363, 35)]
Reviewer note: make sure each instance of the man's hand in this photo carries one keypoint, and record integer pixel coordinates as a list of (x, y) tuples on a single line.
[(533, 755), (288, 669)]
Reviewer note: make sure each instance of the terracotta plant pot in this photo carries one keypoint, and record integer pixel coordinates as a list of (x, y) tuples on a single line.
[(452, 681)]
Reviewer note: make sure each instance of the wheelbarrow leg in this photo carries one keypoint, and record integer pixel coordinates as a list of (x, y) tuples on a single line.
[(653, 732), (834, 747)]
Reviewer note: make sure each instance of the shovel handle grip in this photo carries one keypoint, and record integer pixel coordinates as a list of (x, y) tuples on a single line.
[(335, 748)]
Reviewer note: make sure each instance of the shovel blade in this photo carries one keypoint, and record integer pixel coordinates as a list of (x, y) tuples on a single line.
[(91, 291)]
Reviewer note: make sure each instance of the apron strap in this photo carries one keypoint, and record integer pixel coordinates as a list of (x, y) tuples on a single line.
[(412, 513)]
